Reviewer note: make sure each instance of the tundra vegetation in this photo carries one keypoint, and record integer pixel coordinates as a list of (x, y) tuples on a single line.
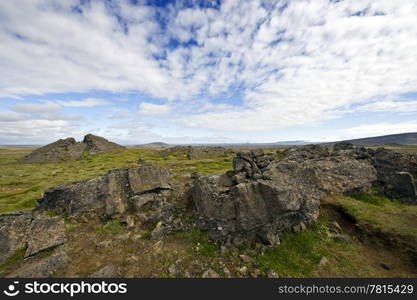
[(360, 234)]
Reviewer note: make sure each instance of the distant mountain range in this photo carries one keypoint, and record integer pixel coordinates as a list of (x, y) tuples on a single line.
[(402, 139), (409, 138)]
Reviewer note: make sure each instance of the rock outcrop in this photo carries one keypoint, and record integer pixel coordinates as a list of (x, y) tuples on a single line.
[(342, 146), (30, 231), (396, 172), (111, 195), (69, 149), (262, 198), (45, 232), (59, 151), (96, 144), (41, 267), (14, 230), (141, 194)]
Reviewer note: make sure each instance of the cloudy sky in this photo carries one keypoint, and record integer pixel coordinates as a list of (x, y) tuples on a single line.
[(207, 71)]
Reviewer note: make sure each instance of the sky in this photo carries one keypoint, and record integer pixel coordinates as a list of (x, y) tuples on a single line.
[(207, 71)]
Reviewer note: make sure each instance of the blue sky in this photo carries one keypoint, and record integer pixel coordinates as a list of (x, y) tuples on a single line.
[(207, 71)]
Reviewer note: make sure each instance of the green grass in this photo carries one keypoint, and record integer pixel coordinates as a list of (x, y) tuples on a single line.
[(13, 259), (372, 199), (22, 184), (112, 227), (202, 243), (384, 214), (299, 254)]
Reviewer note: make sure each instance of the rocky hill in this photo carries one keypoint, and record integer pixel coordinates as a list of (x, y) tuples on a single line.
[(69, 149)]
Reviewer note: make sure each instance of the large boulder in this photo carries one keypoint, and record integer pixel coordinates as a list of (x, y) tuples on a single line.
[(14, 230), (30, 231), (41, 267), (45, 233), (110, 195), (263, 202), (396, 174)]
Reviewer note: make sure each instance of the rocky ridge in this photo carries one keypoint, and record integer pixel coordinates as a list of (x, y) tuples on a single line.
[(69, 149)]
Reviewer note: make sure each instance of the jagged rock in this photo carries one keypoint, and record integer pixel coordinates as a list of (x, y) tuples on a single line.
[(396, 173), (288, 194), (45, 232), (14, 228), (59, 151), (107, 271), (306, 152), (400, 185), (110, 195), (68, 149), (148, 178), (96, 144), (41, 268), (342, 146)]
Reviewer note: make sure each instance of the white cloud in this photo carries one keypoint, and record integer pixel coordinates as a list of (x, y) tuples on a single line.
[(88, 102), (36, 108), (151, 109), (300, 65), (390, 106)]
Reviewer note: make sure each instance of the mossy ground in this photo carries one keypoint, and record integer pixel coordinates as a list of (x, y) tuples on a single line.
[(22, 184)]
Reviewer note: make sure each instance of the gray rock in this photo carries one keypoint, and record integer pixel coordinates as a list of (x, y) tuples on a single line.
[(400, 185), (68, 150), (149, 178), (246, 259), (110, 195), (45, 232), (287, 195), (210, 274), (59, 151), (14, 228), (272, 274), (243, 270), (172, 270), (342, 146), (323, 261), (107, 271), (396, 174), (96, 144), (41, 268)]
